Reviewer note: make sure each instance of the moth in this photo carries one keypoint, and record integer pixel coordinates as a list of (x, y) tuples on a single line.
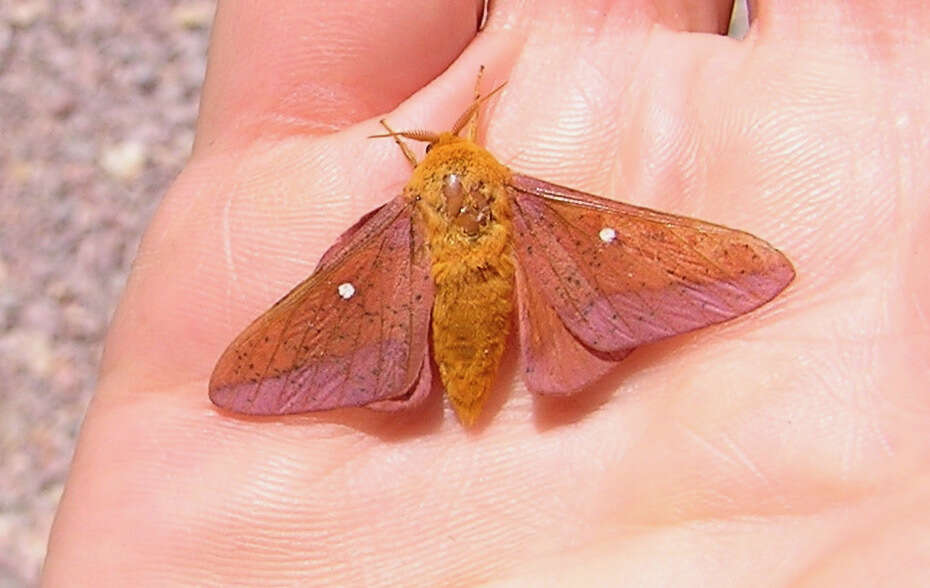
[(447, 263)]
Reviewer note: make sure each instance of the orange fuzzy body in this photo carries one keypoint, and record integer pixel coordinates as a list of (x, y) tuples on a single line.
[(461, 200)]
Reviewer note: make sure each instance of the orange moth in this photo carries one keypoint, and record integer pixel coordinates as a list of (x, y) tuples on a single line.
[(447, 264)]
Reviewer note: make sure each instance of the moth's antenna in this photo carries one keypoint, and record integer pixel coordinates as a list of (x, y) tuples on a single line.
[(408, 153), (419, 135), (472, 132), (463, 120)]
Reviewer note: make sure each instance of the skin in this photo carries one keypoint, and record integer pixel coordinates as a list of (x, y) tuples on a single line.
[(788, 446)]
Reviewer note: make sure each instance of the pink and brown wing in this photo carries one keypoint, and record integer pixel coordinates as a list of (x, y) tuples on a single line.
[(619, 275), (354, 333), (554, 361)]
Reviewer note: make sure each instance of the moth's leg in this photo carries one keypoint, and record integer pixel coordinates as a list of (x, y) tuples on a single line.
[(473, 122), (403, 146)]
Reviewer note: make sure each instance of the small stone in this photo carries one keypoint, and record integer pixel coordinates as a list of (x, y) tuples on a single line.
[(60, 291), (80, 322), (24, 14), (124, 160), (184, 143), (20, 171), (193, 15), (145, 77), (33, 348), (6, 37), (61, 103)]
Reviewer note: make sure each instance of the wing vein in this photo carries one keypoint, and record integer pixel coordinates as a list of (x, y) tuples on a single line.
[(574, 302), (292, 394), (599, 285)]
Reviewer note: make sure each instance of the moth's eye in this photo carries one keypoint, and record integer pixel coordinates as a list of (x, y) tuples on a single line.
[(428, 147)]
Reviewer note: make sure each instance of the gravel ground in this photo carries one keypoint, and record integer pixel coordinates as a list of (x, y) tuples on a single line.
[(97, 105)]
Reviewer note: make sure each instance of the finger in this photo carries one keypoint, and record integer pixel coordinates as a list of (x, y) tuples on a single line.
[(880, 24), (601, 19), (316, 65)]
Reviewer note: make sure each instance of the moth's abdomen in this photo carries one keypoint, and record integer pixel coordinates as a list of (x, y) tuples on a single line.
[(471, 321)]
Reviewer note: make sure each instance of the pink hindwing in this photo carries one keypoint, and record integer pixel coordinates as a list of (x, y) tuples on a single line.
[(554, 361)]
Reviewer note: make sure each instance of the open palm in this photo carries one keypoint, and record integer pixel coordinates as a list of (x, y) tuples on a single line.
[(789, 444)]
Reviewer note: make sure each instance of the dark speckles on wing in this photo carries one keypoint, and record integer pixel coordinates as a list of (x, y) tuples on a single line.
[(323, 347), (659, 275)]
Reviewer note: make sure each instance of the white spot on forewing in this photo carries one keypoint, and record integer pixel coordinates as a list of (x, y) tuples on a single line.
[(607, 235), (346, 290)]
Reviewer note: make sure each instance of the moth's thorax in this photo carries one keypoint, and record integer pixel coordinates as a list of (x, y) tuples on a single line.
[(459, 188)]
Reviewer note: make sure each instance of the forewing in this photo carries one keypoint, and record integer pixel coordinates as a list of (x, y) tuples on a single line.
[(354, 333), (620, 275), (554, 361)]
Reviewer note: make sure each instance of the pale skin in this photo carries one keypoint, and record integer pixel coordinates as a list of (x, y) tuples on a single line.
[(790, 445)]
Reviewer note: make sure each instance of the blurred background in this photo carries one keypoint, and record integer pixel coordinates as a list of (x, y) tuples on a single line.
[(98, 100)]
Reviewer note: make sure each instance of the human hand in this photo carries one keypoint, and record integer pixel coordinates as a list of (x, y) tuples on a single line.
[(790, 444)]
